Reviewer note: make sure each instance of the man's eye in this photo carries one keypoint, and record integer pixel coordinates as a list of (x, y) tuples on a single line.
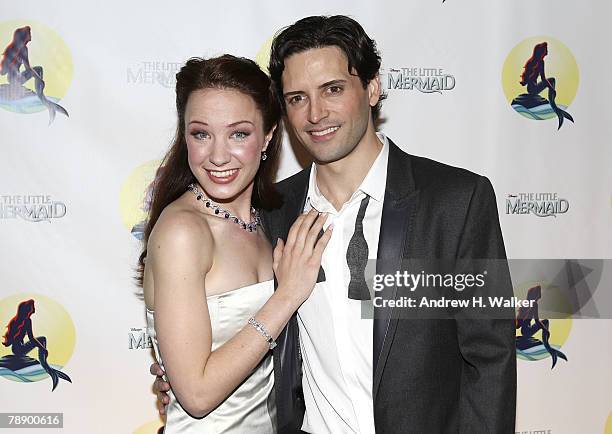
[(295, 99), (335, 89)]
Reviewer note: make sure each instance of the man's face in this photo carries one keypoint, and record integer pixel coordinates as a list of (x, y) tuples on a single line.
[(327, 107)]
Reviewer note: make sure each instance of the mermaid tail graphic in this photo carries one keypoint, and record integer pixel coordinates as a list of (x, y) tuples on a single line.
[(55, 374), (51, 106), (40, 342), (14, 57), (18, 329), (554, 353), (550, 83)]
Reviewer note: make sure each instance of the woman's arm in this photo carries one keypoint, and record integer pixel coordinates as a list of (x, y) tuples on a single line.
[(180, 254)]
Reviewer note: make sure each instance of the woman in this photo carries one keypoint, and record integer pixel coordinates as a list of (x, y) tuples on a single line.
[(212, 311)]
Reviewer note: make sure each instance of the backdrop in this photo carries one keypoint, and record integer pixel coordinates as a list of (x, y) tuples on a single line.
[(76, 165)]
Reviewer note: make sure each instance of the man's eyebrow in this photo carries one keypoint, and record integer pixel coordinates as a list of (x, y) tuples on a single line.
[(335, 82), (293, 92), (332, 83)]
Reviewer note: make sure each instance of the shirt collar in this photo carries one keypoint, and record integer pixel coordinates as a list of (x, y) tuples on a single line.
[(373, 184)]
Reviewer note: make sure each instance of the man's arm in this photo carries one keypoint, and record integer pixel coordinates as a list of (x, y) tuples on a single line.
[(488, 379)]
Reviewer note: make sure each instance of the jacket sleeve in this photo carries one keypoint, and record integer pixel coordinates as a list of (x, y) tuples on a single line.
[(488, 378)]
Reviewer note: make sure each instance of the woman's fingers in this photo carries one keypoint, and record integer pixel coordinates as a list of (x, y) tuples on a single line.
[(293, 231), (161, 408), (156, 370), (277, 254), (305, 227), (315, 230), (317, 253), (160, 386)]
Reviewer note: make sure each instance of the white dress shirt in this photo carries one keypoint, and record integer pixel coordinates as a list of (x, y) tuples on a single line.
[(336, 342)]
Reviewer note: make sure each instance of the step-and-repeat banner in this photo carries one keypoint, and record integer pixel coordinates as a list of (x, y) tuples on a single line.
[(83, 132)]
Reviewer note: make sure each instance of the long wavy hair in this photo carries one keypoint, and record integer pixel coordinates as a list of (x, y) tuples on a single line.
[(15, 325), (532, 66), (174, 175)]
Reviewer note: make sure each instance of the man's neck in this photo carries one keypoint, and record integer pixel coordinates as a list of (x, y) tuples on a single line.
[(338, 180)]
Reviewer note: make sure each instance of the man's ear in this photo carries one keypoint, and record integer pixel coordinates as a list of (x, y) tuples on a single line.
[(374, 90)]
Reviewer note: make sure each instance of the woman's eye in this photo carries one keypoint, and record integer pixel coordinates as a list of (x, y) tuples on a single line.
[(240, 135), (200, 135)]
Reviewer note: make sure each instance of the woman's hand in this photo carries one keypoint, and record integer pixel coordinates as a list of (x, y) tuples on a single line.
[(296, 263), (160, 387)]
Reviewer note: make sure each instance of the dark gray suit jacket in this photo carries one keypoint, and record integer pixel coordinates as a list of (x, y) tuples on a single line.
[(430, 376)]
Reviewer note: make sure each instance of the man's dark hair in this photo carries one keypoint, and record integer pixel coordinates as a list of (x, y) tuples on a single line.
[(321, 31)]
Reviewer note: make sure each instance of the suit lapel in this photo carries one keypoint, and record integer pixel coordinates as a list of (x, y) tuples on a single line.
[(396, 226), (287, 364), (300, 192), (295, 207)]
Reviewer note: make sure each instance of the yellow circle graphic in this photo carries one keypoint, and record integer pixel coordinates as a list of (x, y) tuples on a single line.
[(559, 63), (49, 320), (608, 427), (150, 427), (263, 55), (46, 50), (135, 197)]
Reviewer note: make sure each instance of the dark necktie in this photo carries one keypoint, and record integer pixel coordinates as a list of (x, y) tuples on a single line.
[(357, 257)]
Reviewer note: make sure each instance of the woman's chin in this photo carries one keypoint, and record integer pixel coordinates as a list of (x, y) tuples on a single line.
[(226, 193)]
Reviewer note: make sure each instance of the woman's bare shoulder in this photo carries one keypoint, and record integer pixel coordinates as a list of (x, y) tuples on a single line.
[(181, 228)]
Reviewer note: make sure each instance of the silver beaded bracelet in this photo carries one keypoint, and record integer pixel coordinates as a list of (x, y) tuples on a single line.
[(261, 329)]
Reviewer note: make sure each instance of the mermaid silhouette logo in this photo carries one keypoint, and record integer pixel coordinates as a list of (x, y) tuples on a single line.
[(137, 195), (28, 86), (139, 228), (541, 89), (22, 339), (532, 101), (529, 323)]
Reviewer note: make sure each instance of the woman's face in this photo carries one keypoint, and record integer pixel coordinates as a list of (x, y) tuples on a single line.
[(225, 139)]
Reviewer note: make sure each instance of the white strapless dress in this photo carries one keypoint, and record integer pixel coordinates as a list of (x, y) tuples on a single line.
[(251, 407)]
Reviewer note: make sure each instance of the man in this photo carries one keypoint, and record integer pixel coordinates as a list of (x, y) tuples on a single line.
[(350, 373)]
